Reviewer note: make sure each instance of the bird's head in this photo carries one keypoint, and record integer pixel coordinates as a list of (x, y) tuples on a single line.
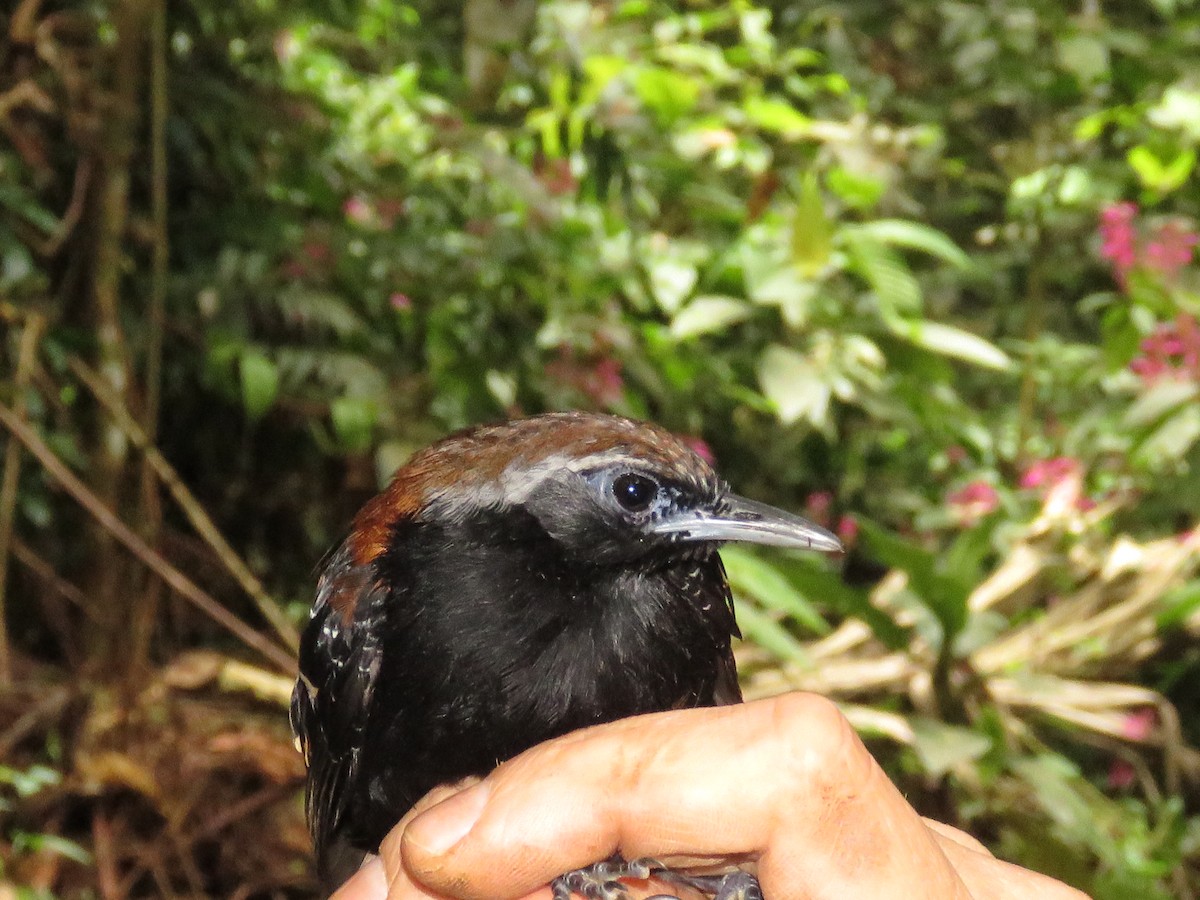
[(606, 490)]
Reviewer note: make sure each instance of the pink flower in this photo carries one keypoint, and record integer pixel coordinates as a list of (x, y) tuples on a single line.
[(1139, 725), (1121, 775), (400, 302), (599, 377), (358, 210), (557, 177), (605, 384), (847, 530), (816, 507), (286, 46), (1170, 350), (318, 251), (1119, 239), (974, 501), (700, 447), (1049, 472), (1171, 248), (293, 269)]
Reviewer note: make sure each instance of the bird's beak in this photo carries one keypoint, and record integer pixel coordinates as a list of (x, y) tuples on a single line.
[(749, 522)]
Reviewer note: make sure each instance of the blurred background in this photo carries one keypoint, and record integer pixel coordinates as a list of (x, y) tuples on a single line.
[(925, 272)]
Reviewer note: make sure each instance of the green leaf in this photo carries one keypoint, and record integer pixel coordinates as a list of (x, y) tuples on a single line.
[(916, 236), (666, 93), (1159, 176), (941, 748), (1165, 396), (813, 579), (776, 116), (945, 596), (751, 575), (260, 382), (1170, 441), (706, 314), (812, 232), (600, 71), (1083, 55), (855, 189), (794, 386), (1055, 787), (51, 844), (671, 282), (759, 628), (353, 422), (950, 341), (895, 288), (1179, 109), (24, 204), (1179, 605)]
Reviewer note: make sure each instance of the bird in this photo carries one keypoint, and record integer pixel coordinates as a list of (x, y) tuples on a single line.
[(515, 582)]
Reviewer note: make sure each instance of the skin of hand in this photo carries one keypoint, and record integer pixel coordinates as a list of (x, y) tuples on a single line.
[(783, 787)]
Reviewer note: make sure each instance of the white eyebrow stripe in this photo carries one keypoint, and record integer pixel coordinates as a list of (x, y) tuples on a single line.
[(519, 480)]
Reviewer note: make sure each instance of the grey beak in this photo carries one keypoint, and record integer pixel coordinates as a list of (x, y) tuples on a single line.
[(750, 522)]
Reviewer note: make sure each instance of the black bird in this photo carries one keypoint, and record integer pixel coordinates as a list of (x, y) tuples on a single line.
[(515, 582)]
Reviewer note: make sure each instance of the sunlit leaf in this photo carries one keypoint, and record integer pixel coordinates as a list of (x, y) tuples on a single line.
[(812, 232), (951, 341), (759, 628), (260, 382), (1164, 396), (944, 594), (1169, 442), (353, 422), (916, 236), (671, 282), (750, 575), (779, 116), (1179, 108), (895, 288), (706, 314), (665, 92), (1157, 174), (1083, 55), (941, 748), (794, 386)]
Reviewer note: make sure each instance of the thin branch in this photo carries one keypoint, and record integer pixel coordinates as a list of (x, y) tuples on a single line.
[(109, 521), (25, 555), (26, 357), (158, 211), (191, 507)]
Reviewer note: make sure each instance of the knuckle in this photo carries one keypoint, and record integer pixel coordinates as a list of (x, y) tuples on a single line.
[(818, 747)]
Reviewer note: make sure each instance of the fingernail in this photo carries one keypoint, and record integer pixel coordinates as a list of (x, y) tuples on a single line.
[(368, 883), (440, 828)]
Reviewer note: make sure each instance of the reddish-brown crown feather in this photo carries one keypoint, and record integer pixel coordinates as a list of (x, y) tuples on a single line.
[(481, 455)]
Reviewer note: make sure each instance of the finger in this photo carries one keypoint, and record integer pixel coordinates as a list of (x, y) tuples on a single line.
[(383, 877), (988, 878), (785, 780), (942, 830)]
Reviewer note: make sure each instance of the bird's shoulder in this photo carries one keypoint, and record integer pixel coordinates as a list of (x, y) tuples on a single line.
[(340, 659)]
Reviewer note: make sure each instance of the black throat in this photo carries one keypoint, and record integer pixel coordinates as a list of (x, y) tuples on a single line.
[(496, 638)]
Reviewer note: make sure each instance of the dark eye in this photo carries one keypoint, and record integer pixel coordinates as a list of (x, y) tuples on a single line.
[(634, 492)]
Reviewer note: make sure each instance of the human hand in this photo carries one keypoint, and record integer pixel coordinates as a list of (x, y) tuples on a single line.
[(782, 786)]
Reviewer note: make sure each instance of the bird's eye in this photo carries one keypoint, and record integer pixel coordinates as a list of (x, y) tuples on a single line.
[(634, 492)]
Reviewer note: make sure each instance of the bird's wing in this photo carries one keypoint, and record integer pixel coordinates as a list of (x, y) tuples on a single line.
[(727, 690), (339, 664)]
